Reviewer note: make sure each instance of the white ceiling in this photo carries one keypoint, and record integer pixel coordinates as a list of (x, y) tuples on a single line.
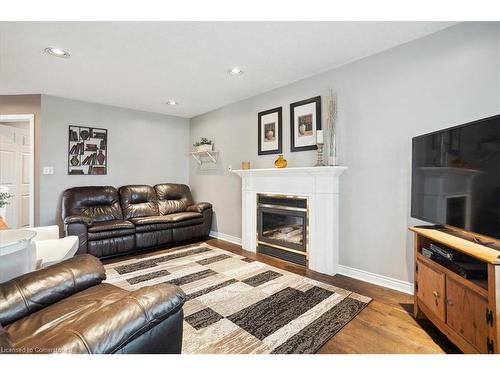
[(141, 65)]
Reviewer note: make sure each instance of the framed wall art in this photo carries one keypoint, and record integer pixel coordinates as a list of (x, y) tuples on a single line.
[(87, 150), (305, 120), (270, 132)]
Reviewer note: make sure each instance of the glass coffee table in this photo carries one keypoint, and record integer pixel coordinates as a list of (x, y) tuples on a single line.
[(17, 253)]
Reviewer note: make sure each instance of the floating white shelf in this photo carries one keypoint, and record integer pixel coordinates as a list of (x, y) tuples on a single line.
[(203, 157)]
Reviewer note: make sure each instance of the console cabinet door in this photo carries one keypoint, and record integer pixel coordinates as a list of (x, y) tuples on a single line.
[(466, 314), (431, 289)]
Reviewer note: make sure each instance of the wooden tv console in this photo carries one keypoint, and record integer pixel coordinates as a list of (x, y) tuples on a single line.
[(466, 311)]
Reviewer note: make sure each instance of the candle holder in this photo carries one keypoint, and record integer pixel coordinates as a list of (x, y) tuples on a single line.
[(320, 162)]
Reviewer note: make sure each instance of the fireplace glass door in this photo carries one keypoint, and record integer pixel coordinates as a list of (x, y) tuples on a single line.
[(285, 228)]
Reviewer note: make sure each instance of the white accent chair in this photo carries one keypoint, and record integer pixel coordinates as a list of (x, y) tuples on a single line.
[(50, 248)]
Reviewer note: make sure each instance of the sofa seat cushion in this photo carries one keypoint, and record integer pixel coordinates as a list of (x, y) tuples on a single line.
[(102, 319), (153, 227), (110, 229), (164, 222), (151, 223), (168, 221), (182, 216), (110, 234), (64, 313), (183, 219), (105, 226), (33, 291), (148, 220)]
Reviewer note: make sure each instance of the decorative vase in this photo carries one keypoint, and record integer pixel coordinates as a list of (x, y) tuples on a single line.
[(204, 148), (331, 123), (101, 158), (270, 135), (280, 162), (302, 129)]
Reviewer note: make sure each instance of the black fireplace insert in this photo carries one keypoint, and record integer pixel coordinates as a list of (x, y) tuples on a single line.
[(282, 227)]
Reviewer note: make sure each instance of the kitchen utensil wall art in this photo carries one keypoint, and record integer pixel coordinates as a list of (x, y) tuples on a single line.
[(87, 150)]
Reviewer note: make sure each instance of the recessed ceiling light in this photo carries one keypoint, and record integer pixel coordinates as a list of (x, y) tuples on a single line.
[(172, 102), (57, 52), (235, 71)]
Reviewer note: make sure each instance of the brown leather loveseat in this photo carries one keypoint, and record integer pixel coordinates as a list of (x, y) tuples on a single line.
[(110, 222), (65, 308)]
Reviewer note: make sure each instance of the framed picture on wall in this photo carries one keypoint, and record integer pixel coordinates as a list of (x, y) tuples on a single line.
[(87, 150), (305, 120), (270, 131)]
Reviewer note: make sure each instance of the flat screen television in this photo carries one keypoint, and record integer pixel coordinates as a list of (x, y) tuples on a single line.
[(456, 177)]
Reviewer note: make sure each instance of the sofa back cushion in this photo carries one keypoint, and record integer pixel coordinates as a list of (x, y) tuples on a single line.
[(138, 201), (173, 198), (99, 202)]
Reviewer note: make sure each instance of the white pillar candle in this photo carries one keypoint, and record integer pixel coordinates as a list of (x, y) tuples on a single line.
[(319, 137)]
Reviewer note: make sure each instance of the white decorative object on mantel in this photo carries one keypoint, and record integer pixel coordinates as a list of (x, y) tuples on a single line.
[(320, 143), (320, 185), (331, 125)]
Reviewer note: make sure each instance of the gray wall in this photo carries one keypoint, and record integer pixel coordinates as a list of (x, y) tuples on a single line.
[(441, 80), (143, 148)]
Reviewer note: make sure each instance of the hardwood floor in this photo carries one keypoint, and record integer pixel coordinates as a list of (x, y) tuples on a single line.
[(386, 325)]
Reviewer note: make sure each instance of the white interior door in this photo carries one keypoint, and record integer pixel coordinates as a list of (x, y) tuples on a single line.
[(16, 174)]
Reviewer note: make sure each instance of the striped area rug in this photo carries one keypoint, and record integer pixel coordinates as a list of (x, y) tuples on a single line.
[(238, 305)]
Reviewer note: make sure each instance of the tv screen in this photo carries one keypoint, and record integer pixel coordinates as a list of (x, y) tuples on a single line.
[(456, 177)]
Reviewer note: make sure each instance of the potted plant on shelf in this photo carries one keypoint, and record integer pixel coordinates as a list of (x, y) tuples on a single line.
[(4, 201), (203, 145)]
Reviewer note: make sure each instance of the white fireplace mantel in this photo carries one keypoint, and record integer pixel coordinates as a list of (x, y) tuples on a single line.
[(321, 187)]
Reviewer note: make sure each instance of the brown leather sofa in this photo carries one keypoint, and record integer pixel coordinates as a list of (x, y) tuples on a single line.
[(110, 222), (65, 308)]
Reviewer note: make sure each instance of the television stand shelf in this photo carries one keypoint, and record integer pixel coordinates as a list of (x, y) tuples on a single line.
[(465, 310)]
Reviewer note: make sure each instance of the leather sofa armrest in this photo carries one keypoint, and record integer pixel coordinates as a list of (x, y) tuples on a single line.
[(81, 231), (78, 219), (33, 291), (199, 207), (110, 328)]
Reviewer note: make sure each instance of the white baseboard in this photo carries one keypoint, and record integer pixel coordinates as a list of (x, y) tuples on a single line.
[(373, 278), (225, 237)]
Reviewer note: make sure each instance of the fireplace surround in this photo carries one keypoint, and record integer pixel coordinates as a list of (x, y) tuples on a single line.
[(320, 186)]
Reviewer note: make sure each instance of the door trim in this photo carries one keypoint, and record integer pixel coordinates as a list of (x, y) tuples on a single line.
[(31, 119)]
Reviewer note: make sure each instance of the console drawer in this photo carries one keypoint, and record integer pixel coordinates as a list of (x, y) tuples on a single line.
[(431, 289)]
